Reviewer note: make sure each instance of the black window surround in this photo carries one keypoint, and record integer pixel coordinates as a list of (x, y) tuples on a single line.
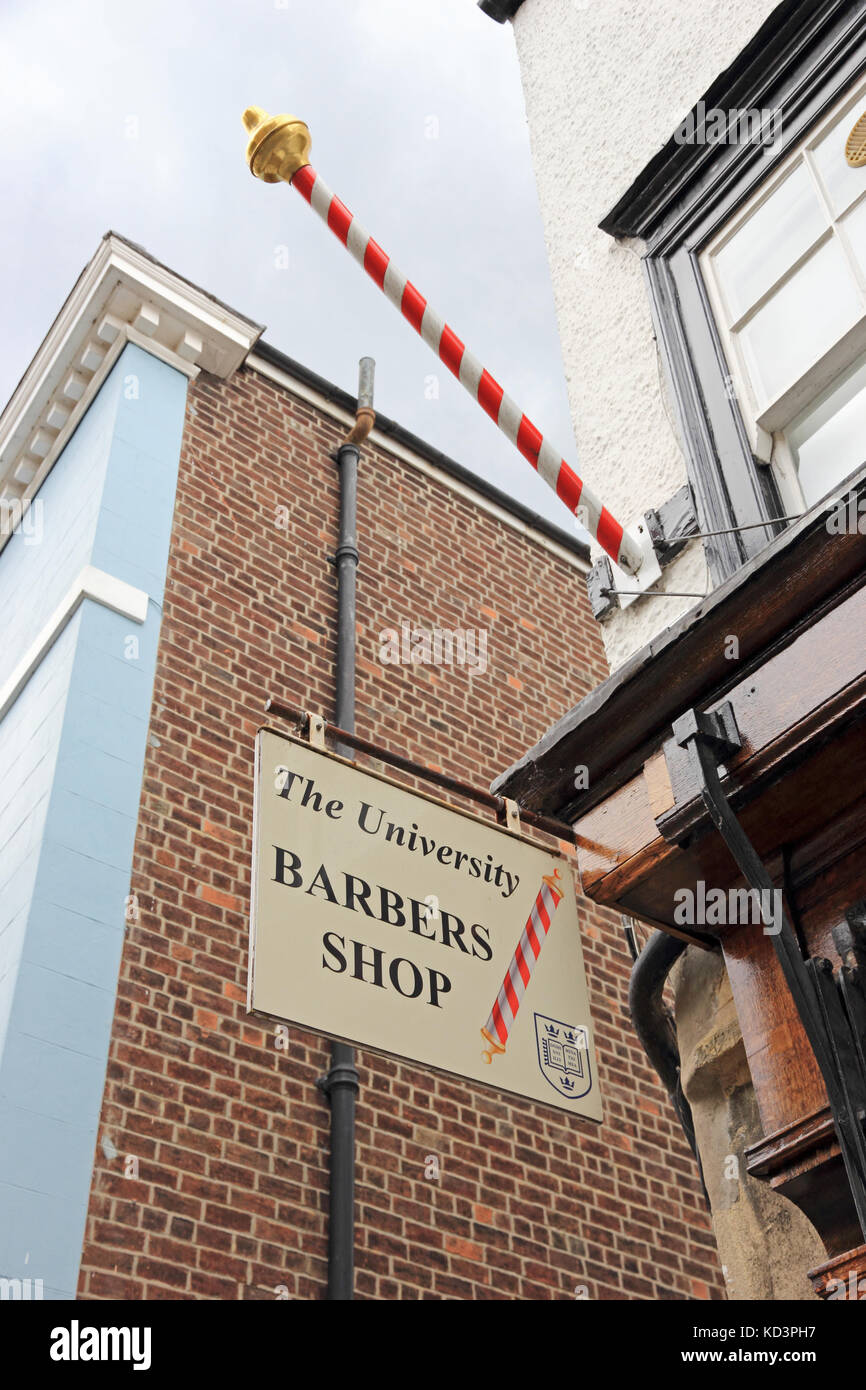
[(799, 63)]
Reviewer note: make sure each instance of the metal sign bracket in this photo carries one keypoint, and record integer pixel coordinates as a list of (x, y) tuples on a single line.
[(710, 737), (315, 730), (511, 816)]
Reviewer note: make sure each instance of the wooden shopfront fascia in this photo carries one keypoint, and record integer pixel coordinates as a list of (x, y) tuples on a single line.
[(797, 785)]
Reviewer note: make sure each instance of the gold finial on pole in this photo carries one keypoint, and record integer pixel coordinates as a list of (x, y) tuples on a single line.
[(279, 145), (554, 883)]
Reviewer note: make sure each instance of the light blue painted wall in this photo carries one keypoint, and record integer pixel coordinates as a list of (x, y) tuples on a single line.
[(37, 570), (68, 816), (29, 740)]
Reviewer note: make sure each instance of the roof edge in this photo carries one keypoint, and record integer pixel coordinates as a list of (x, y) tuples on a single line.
[(500, 10), (122, 295)]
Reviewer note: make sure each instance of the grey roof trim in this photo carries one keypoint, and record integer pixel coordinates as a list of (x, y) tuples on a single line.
[(418, 446)]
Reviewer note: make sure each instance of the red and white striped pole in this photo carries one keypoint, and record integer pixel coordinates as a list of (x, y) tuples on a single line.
[(517, 976), (278, 149)]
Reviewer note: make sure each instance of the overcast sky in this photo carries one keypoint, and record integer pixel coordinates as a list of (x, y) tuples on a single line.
[(128, 117)]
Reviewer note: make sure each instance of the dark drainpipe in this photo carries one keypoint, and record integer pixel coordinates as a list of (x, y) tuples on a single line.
[(341, 1082), (653, 1023), (656, 1029)]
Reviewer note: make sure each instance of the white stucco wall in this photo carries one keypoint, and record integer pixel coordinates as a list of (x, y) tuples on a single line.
[(606, 83)]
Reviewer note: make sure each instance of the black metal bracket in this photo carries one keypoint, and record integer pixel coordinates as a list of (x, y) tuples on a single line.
[(599, 588), (672, 524), (828, 1021)]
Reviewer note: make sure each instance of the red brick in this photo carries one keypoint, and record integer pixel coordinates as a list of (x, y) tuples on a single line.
[(194, 1087)]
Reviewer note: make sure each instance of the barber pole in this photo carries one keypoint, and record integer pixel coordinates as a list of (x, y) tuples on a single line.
[(278, 150), (519, 973)]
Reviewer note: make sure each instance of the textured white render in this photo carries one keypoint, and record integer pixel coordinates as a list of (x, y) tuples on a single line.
[(606, 83)]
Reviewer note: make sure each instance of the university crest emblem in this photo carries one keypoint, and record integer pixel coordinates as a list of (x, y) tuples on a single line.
[(563, 1055)]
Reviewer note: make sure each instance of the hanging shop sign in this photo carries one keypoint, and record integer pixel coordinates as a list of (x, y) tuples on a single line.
[(386, 918)]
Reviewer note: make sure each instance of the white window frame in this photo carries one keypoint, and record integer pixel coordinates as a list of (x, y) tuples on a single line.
[(766, 423)]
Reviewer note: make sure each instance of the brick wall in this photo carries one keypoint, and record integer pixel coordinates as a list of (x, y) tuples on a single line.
[(210, 1176)]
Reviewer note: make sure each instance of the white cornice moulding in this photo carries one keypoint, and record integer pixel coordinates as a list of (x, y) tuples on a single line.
[(91, 583), (122, 296), (397, 450)]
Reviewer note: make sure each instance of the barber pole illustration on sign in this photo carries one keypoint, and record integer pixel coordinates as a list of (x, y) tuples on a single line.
[(517, 977), (385, 917)]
